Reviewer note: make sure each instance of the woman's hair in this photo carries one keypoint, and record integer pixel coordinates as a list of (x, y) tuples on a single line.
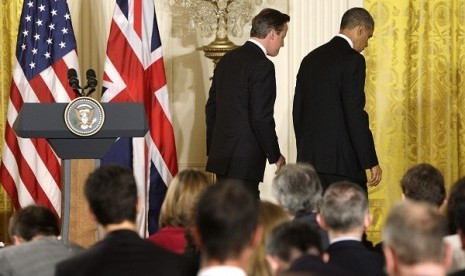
[(181, 197)]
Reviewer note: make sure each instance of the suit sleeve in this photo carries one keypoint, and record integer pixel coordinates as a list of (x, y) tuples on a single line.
[(297, 111), (210, 114), (262, 87), (353, 101)]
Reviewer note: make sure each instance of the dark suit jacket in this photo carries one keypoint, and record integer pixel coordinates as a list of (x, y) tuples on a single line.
[(355, 258), (330, 124), (239, 114), (125, 253), (315, 265)]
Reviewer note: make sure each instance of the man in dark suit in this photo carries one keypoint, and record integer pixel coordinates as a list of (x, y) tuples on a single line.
[(344, 214), (239, 112), (112, 196), (330, 124)]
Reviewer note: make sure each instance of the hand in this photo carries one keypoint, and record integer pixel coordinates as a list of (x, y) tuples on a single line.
[(376, 173), (281, 162)]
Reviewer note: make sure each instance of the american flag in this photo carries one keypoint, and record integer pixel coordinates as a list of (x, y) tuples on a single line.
[(134, 72), (46, 48)]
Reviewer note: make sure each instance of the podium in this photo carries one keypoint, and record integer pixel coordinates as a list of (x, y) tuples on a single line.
[(47, 120)]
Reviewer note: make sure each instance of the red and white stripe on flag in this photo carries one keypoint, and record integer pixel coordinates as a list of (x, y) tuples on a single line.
[(30, 171), (134, 72)]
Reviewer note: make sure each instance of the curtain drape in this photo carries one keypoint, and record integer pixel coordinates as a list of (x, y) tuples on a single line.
[(415, 93), (10, 11)]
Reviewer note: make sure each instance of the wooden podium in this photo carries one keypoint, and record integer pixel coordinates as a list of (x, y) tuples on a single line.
[(47, 120)]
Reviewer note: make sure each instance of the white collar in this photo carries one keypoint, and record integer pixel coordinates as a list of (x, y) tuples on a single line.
[(347, 39), (344, 239), (222, 270), (258, 44)]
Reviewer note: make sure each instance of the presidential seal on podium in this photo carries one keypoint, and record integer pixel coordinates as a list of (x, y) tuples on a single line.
[(84, 116)]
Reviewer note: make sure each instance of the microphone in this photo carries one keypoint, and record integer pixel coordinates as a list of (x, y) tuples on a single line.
[(91, 81), (74, 81)]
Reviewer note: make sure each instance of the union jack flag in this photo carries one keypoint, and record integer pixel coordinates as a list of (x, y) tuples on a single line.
[(30, 171), (134, 72)]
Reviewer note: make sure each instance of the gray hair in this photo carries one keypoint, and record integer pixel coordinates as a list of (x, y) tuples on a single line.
[(414, 232), (344, 206), (297, 188)]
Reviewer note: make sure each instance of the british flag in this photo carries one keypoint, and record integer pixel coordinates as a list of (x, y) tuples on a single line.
[(30, 171), (134, 72)]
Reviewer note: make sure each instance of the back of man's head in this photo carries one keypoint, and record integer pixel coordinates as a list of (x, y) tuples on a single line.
[(414, 233), (33, 221), (357, 17), (424, 182), (297, 188), (226, 220), (344, 207), (292, 239), (456, 197), (111, 192), (267, 20)]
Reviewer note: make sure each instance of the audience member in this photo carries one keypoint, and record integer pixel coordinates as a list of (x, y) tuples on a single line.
[(176, 216), (413, 241), (111, 193), (424, 182), (344, 214), (270, 215), (295, 246), (37, 248), (227, 229), (456, 199), (297, 188), (459, 218)]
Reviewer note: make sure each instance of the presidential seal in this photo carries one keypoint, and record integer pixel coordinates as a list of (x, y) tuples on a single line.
[(84, 116)]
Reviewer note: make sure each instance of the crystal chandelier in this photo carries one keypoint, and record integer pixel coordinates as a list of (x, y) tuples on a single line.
[(219, 18)]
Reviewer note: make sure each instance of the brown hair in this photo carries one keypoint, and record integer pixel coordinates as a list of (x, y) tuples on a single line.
[(181, 197)]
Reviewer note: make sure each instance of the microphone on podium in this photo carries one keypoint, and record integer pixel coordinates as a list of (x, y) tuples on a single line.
[(74, 81), (91, 81)]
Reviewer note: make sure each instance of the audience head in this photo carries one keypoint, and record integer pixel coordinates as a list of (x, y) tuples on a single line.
[(266, 21), (31, 222), (111, 192), (456, 197), (344, 208), (181, 197), (290, 240), (297, 188), (413, 234), (270, 215), (424, 182), (226, 222)]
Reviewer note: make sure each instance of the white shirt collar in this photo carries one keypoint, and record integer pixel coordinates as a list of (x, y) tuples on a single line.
[(344, 239), (258, 44), (221, 270), (347, 39)]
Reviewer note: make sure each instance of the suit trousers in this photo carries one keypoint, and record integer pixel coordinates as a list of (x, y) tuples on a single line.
[(251, 186)]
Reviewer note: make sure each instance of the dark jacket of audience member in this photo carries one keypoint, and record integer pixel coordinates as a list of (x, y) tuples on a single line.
[(112, 196)]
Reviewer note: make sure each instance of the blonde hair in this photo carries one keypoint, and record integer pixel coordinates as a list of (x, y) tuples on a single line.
[(270, 216), (181, 197)]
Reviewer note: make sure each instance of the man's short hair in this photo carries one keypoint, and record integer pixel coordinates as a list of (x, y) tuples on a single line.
[(414, 232), (344, 206), (297, 188), (357, 17), (32, 221), (293, 235), (111, 192), (226, 218), (456, 198), (267, 20), (424, 182)]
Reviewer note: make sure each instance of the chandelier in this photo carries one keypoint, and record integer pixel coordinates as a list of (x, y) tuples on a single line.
[(219, 18)]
